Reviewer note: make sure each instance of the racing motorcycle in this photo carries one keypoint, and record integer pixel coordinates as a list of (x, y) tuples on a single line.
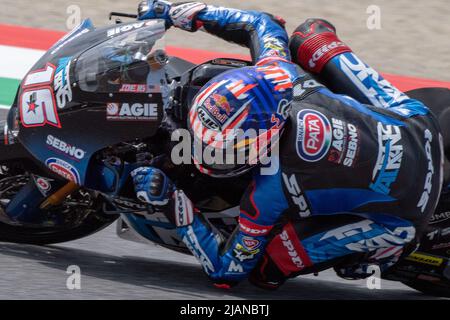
[(104, 101)]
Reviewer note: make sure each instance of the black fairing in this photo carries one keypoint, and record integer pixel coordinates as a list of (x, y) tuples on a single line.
[(81, 121)]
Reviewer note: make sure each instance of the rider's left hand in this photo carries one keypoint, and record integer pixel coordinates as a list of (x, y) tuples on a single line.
[(154, 9), (152, 186)]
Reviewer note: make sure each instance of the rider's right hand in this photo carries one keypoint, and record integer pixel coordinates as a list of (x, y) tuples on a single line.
[(154, 9), (152, 186)]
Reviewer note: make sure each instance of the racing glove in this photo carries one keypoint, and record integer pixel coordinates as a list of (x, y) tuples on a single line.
[(152, 186), (181, 15), (154, 9)]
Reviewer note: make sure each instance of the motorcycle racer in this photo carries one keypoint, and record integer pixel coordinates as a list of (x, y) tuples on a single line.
[(343, 185)]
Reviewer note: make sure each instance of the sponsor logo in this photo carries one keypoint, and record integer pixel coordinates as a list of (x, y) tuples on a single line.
[(128, 27), (381, 95), (43, 185), (64, 169), (295, 257), (425, 259), (218, 107), (242, 254), (61, 83), (352, 146), (423, 201), (135, 88), (346, 235), (441, 246), (221, 102), (390, 153), (250, 244), (275, 46), (313, 135), (235, 267), (253, 229), (439, 217), (345, 145), (297, 195), (191, 241), (432, 234), (207, 120), (68, 149), (287, 252), (132, 112), (184, 210), (323, 50), (445, 231)]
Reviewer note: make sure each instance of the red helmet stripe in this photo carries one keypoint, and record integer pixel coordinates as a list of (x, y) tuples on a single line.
[(237, 120), (244, 90), (207, 92), (281, 86), (238, 114)]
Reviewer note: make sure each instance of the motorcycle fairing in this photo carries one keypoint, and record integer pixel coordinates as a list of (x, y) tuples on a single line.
[(52, 106)]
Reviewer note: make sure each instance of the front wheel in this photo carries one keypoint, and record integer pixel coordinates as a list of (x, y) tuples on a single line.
[(93, 223), (79, 215)]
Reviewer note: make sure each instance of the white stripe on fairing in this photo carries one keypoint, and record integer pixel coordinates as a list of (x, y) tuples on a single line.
[(4, 107), (16, 62)]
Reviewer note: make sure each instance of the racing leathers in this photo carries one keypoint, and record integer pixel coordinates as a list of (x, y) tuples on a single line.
[(376, 169)]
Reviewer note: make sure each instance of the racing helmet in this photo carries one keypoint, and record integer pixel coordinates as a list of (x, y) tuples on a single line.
[(237, 118)]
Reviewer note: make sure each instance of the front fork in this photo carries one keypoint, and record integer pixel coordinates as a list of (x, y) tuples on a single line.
[(59, 196), (35, 198)]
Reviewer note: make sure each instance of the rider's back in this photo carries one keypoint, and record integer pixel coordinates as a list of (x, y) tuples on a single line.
[(374, 161)]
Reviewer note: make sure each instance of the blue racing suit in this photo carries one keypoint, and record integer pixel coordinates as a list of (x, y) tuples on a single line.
[(338, 156)]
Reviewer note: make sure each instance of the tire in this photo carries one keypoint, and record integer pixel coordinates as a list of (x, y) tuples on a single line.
[(429, 289), (42, 236), (91, 222)]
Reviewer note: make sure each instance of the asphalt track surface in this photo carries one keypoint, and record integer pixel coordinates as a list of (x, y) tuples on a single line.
[(112, 268)]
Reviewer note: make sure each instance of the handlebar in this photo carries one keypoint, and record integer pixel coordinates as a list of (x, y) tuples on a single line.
[(121, 14)]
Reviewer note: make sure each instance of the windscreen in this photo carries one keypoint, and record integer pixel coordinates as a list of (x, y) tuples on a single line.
[(131, 62)]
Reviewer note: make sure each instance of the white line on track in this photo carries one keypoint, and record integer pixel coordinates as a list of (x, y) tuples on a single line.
[(16, 62)]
